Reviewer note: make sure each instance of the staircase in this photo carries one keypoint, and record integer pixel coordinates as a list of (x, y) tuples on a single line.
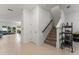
[(51, 38)]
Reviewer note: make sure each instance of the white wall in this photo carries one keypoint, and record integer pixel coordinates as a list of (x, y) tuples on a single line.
[(56, 13), (74, 18), (44, 19), (35, 25), (7, 23), (34, 21), (26, 35), (72, 15), (30, 25)]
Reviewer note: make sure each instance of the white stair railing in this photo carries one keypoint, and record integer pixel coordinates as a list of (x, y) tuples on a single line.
[(58, 28)]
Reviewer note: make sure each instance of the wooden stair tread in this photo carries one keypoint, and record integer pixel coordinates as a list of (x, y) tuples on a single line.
[(53, 43), (52, 36), (52, 33), (49, 38)]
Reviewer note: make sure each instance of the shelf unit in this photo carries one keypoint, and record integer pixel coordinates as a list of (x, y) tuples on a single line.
[(67, 36)]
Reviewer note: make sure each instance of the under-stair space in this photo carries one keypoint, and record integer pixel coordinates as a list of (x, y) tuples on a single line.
[(51, 38)]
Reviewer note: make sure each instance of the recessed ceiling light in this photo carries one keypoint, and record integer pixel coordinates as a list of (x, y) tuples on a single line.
[(10, 9), (68, 6)]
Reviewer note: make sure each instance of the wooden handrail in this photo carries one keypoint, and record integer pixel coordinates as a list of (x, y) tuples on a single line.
[(47, 25)]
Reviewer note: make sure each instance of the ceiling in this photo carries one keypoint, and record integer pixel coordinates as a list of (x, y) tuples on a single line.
[(48, 6), (16, 14), (74, 8)]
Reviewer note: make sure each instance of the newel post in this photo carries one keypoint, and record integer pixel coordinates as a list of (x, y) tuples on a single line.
[(58, 30)]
